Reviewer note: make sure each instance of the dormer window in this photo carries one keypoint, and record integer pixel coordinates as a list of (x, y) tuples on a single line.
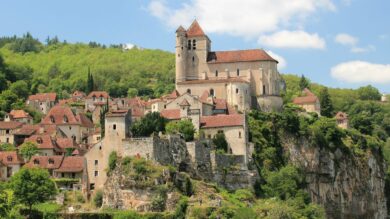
[(52, 119), (39, 140), (194, 44), (94, 97), (189, 45), (51, 161), (101, 98), (9, 158), (238, 72), (66, 119), (36, 161)]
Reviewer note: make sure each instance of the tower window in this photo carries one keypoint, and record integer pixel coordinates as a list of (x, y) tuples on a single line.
[(114, 127), (216, 73), (236, 90), (52, 119), (189, 44), (194, 44), (193, 58), (189, 91), (238, 72), (263, 89), (211, 92), (239, 134)]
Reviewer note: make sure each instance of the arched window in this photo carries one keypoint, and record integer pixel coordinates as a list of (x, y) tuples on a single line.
[(94, 97), (52, 119), (216, 73), (189, 91), (114, 127), (101, 97), (189, 44), (194, 44), (264, 91), (238, 72), (66, 119), (211, 92)]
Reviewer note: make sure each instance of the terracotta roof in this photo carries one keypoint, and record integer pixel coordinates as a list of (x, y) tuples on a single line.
[(174, 94), (222, 121), (78, 94), (43, 141), (230, 80), (136, 101), (341, 116), (117, 113), (59, 114), (84, 120), (10, 157), (43, 97), (10, 125), (220, 104), (239, 56), (309, 98), (65, 101), (184, 103), (64, 143), (195, 30), (19, 114), (137, 112), (71, 164), (27, 129), (98, 94), (45, 162), (170, 113), (204, 96)]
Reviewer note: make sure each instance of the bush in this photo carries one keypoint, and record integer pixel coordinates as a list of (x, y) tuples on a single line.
[(112, 159), (220, 142), (98, 199), (183, 127), (149, 124), (181, 208)]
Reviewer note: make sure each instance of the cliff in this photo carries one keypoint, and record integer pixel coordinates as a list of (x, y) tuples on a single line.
[(345, 184)]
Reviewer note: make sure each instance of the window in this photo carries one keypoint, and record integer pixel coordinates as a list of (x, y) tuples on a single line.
[(211, 92), (101, 98), (98, 138), (7, 140), (239, 134), (194, 44), (51, 161), (66, 119), (165, 106), (74, 138), (92, 186), (208, 136), (193, 58), (62, 175), (52, 119), (96, 162), (96, 173), (216, 73), (73, 175), (238, 72), (114, 127), (7, 131), (94, 97), (189, 91), (236, 90), (263, 89), (9, 158), (220, 131), (189, 44), (39, 140), (100, 147), (70, 127), (36, 161)]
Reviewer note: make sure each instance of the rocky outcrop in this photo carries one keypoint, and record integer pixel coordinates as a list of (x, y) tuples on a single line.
[(346, 185)]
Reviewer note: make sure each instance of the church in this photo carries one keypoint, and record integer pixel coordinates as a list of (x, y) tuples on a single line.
[(246, 79)]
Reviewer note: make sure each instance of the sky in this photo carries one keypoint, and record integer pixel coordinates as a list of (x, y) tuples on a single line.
[(338, 43)]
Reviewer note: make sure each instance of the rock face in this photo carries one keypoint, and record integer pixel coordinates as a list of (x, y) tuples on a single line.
[(348, 186)]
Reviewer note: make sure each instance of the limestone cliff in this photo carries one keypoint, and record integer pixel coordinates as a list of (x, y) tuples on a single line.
[(347, 185)]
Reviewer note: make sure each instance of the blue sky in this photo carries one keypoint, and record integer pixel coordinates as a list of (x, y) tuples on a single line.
[(339, 43)]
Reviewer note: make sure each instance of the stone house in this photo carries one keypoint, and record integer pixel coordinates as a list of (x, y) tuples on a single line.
[(69, 124), (117, 124), (7, 130), (18, 116), (308, 101), (244, 78), (42, 102), (10, 163), (95, 97), (342, 120), (78, 95)]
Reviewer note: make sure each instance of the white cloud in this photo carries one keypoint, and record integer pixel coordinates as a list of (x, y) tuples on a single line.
[(249, 18), (293, 39), (361, 72), (346, 39), (282, 61), (363, 49)]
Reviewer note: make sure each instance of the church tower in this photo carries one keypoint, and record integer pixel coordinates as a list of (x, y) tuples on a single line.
[(181, 54)]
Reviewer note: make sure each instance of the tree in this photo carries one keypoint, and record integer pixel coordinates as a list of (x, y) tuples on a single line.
[(7, 147), (150, 123), (28, 149), (220, 142), (112, 159), (303, 83), (20, 88), (183, 127), (98, 199), (326, 103), (7, 97), (369, 93), (32, 186), (103, 112), (132, 92), (90, 82)]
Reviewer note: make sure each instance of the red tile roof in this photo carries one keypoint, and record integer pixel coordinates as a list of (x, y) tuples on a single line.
[(171, 114), (43, 97), (239, 56), (117, 113), (10, 125), (71, 164), (45, 162), (64, 143), (98, 94), (204, 96), (309, 98), (63, 115), (79, 94), (220, 104), (181, 29), (43, 141), (19, 114), (175, 94), (137, 112), (10, 157), (28, 129), (195, 30), (222, 121), (84, 120)]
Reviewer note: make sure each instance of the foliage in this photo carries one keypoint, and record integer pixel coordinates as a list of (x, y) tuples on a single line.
[(8, 204), (158, 202), (28, 149), (150, 123), (326, 103), (32, 186), (325, 133), (181, 208), (369, 93), (112, 160), (90, 83), (98, 198), (102, 118), (219, 140), (7, 147), (304, 83), (183, 127)]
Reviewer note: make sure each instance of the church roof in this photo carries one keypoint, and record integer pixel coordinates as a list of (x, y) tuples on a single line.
[(239, 56), (195, 30), (180, 29)]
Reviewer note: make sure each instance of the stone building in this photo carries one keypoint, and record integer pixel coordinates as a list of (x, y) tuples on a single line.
[(10, 163), (308, 101), (342, 120), (244, 78), (18, 116), (42, 102), (7, 130)]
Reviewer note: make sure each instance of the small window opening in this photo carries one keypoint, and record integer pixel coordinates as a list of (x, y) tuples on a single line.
[(238, 72), (236, 90), (211, 92), (189, 44), (189, 91), (239, 134), (216, 73), (194, 44), (264, 89), (193, 58), (114, 127)]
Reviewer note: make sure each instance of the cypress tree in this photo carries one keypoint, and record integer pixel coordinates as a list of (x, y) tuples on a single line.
[(90, 83), (303, 83), (326, 103)]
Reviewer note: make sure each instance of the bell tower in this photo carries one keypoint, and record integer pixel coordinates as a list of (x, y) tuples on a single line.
[(181, 54)]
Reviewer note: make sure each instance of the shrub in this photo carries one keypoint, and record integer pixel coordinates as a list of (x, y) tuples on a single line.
[(98, 199), (220, 142), (149, 124), (181, 208), (112, 159), (183, 127)]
